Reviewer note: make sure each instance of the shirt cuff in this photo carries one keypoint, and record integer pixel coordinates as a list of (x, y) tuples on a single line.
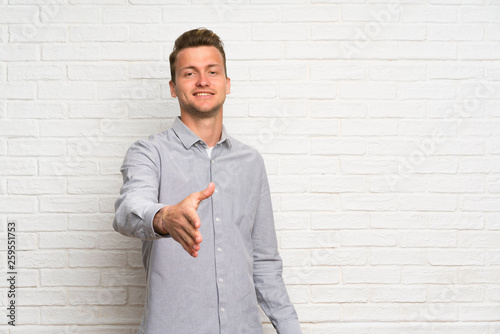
[(291, 326), (148, 220)]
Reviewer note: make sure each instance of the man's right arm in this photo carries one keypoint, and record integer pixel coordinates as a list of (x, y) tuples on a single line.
[(138, 213), (138, 204)]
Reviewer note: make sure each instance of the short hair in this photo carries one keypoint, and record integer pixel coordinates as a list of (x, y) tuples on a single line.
[(194, 38)]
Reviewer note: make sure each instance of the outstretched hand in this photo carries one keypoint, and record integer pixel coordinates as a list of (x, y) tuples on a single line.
[(182, 222)]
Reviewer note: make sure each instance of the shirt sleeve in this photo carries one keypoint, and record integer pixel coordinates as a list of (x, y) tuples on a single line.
[(269, 285), (138, 201)]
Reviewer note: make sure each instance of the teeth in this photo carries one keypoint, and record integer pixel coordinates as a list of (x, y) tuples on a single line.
[(203, 94)]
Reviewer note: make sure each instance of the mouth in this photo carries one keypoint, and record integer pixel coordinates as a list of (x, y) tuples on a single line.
[(203, 94)]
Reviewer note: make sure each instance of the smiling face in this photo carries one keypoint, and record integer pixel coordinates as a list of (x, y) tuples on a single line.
[(200, 84)]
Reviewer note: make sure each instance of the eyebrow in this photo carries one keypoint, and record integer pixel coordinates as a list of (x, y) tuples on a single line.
[(194, 67)]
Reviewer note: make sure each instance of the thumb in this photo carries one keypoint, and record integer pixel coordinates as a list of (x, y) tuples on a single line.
[(204, 194)]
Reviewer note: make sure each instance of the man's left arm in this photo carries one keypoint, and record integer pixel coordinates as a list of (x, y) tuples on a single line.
[(269, 285)]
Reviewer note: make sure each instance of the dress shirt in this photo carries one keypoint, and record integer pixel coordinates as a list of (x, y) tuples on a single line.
[(238, 266)]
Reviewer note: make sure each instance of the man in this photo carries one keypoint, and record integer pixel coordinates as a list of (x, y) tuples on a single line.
[(210, 256)]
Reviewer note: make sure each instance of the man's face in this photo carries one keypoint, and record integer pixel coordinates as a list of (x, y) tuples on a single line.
[(200, 81)]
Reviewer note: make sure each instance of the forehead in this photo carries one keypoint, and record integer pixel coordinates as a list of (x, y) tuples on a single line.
[(199, 57)]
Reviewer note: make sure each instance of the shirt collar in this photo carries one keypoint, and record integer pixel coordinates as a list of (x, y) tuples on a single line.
[(189, 138)]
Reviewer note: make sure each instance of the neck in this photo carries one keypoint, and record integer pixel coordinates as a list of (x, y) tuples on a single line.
[(208, 129)]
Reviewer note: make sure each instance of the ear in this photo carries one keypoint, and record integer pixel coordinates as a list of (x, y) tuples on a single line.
[(172, 88), (228, 85)]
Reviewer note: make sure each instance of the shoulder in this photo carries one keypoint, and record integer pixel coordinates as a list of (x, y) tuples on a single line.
[(248, 153), (151, 146)]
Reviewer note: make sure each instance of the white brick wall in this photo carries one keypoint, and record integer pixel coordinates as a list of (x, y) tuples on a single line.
[(378, 120)]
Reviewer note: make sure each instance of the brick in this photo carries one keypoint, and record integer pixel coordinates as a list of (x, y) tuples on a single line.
[(428, 50), (398, 294), (98, 146), (368, 202), (480, 203), (87, 222), (384, 184), (36, 186), (103, 109), (479, 14), (274, 109), (447, 32), (98, 72), (367, 90), (103, 259), (326, 71), (282, 32), (384, 275), (177, 14), (290, 164), (312, 50), (115, 240), (492, 32), (479, 312), (23, 72), (11, 52), (131, 14), (318, 13), (244, 14), (423, 239), (68, 204), (368, 238), (449, 184), (428, 202), (444, 70), (291, 71), (313, 275), (288, 184), (397, 220), (376, 14), (42, 259), (400, 312), (398, 72), (38, 110), (308, 239), (423, 275), (338, 257), (67, 128), (68, 315), (328, 183), (106, 33), (454, 293), (316, 313), (67, 90), (43, 297), (431, 14), (330, 221), (456, 258), (473, 239), (40, 222), (253, 51), (69, 165), (19, 14), (329, 146), (426, 91), (314, 202), (462, 221), (58, 52), (100, 296), (363, 166), (134, 259), (478, 51), (19, 128), (69, 277), (17, 166), (18, 204), (391, 256), (17, 91), (32, 33), (338, 294), (67, 240), (70, 14), (39, 147), (479, 275)]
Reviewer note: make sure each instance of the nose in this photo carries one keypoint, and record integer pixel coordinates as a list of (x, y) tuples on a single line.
[(203, 80)]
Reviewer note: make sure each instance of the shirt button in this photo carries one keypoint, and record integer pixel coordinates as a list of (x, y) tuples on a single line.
[(219, 249), (222, 309), (213, 161), (217, 219), (221, 280), (215, 190)]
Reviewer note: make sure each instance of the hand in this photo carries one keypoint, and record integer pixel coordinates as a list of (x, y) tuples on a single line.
[(182, 222)]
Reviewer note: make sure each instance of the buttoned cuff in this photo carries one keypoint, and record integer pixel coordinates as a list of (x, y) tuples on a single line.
[(291, 326), (148, 221)]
